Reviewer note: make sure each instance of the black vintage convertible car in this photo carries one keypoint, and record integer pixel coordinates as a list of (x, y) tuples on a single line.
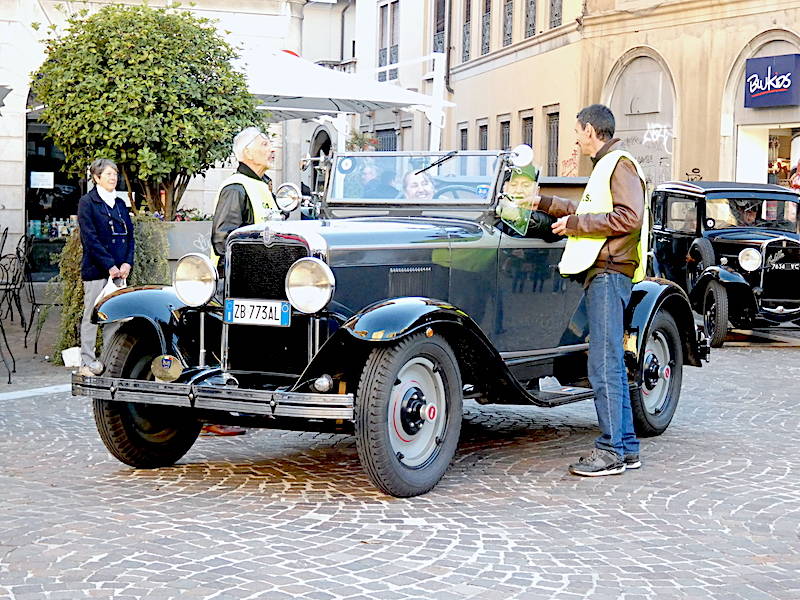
[(734, 248), (376, 319)]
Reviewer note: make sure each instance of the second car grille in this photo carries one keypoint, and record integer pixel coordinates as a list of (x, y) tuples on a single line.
[(781, 272), (259, 271)]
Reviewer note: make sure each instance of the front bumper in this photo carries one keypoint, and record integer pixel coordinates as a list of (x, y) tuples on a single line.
[(212, 397)]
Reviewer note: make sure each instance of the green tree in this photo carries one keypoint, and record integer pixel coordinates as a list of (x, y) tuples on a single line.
[(150, 88)]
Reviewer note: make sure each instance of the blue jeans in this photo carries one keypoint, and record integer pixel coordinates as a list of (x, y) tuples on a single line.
[(606, 298)]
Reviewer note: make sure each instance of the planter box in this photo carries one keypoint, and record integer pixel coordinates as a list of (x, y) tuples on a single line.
[(184, 237)]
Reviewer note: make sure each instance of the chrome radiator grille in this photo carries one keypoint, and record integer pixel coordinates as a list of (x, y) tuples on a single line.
[(782, 272), (259, 271)]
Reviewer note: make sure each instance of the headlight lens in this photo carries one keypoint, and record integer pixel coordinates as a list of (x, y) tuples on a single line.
[(309, 285), (195, 279), (750, 259)]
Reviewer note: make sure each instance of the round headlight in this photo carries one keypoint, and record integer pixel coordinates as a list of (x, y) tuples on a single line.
[(195, 279), (750, 259), (309, 285)]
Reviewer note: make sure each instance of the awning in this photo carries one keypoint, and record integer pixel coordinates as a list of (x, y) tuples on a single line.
[(290, 87)]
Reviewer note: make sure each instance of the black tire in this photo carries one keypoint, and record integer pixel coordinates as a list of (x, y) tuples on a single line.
[(701, 256), (655, 401), (715, 313), (383, 397), (144, 436)]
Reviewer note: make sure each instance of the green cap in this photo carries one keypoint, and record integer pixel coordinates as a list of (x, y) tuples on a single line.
[(528, 171)]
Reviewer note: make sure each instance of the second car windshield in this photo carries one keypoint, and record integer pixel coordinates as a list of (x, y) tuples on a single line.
[(722, 213)]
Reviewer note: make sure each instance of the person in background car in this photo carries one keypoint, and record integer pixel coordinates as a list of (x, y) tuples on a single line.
[(418, 187)]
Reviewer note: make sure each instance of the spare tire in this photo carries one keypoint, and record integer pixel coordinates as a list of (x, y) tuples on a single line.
[(701, 256)]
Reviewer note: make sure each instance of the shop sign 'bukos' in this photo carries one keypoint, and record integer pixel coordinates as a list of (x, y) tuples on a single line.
[(770, 81)]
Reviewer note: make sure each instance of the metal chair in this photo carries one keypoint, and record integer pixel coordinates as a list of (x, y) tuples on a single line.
[(13, 280), (5, 275)]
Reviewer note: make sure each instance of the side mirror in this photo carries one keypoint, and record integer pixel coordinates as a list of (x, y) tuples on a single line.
[(288, 197), (522, 155)]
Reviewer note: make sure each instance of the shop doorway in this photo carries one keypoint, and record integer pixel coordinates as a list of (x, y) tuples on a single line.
[(767, 153), (51, 197)]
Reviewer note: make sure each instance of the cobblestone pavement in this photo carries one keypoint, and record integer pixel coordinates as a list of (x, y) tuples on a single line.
[(714, 512)]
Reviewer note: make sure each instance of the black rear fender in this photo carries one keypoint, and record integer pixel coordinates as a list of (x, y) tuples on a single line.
[(650, 296)]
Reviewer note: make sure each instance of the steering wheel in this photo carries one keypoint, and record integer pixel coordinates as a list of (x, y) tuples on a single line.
[(457, 190)]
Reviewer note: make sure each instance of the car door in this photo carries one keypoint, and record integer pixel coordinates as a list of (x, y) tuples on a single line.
[(534, 303), (675, 227)]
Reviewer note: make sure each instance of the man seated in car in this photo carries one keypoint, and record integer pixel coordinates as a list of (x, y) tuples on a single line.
[(746, 212)]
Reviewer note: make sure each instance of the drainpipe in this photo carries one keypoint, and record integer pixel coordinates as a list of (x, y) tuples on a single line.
[(341, 30), (449, 26)]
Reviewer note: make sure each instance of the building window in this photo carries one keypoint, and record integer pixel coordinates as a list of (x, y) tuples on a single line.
[(508, 22), (527, 131), (530, 18), (486, 26), (555, 13), (438, 25), (389, 36), (483, 137), (552, 144), (466, 40), (387, 140), (505, 135), (463, 138)]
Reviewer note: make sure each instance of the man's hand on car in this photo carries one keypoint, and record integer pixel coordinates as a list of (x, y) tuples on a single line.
[(560, 226)]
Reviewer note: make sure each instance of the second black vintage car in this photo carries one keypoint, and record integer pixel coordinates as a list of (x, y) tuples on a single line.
[(407, 295), (734, 247)]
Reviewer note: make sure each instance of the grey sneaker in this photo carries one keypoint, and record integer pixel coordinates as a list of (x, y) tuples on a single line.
[(598, 463), (632, 461)]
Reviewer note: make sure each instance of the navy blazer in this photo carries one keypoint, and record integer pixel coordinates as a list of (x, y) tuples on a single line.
[(106, 235)]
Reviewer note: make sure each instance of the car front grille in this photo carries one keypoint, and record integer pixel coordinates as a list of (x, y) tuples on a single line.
[(259, 271), (782, 272)]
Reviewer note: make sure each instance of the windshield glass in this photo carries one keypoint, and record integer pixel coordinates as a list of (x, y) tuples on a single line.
[(767, 213), (403, 180)]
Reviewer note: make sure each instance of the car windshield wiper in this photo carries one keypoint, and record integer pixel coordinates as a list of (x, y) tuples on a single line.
[(435, 163)]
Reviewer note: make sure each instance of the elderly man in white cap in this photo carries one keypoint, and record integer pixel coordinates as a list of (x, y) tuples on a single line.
[(245, 197)]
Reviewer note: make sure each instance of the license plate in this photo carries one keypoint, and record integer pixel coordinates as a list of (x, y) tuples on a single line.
[(257, 312)]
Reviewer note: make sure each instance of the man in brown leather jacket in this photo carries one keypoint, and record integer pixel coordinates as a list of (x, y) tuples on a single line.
[(607, 277)]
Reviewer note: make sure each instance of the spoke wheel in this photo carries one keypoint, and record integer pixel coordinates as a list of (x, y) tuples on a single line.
[(408, 414), (654, 402), (141, 435), (715, 313)]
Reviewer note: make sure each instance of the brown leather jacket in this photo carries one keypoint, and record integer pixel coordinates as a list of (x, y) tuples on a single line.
[(621, 226)]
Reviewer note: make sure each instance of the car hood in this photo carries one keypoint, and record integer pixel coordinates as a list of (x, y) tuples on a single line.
[(748, 234), (336, 235)]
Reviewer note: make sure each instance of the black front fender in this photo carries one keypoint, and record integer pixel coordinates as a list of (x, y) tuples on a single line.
[(733, 282), (155, 306), (647, 298), (346, 352)]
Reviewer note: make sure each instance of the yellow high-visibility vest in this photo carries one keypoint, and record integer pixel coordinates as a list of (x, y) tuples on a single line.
[(581, 251), (259, 195)]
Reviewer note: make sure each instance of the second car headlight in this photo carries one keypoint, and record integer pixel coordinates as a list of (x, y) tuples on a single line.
[(309, 285), (750, 259), (195, 279)]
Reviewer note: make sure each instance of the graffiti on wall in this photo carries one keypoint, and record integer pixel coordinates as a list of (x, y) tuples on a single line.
[(652, 147), (694, 175), (569, 167)]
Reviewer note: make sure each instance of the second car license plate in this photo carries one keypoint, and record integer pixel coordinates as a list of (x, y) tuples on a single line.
[(257, 312)]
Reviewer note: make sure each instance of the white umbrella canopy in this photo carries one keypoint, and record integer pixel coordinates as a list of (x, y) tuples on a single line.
[(290, 87)]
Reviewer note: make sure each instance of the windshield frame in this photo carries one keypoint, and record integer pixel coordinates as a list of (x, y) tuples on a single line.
[(395, 205), (755, 196)]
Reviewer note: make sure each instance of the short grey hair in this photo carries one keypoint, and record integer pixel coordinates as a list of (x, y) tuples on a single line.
[(243, 139), (99, 165)]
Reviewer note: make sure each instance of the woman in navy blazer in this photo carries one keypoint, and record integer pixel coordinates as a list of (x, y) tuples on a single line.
[(107, 236)]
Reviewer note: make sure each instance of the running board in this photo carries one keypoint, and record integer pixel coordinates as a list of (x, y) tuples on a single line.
[(550, 399)]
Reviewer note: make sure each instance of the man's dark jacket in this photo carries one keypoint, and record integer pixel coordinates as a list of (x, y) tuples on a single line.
[(233, 210), (106, 235)]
